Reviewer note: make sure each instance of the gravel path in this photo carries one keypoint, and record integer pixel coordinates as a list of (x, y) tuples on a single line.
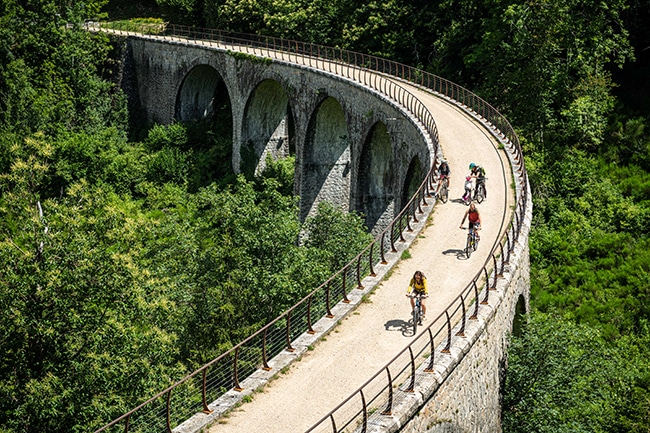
[(367, 339)]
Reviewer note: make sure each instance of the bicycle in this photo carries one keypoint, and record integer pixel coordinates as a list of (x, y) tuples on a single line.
[(417, 310), (467, 197), (479, 192), (444, 190), (472, 242)]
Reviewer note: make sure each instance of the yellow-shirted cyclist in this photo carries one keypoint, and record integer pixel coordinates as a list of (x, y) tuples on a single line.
[(418, 285)]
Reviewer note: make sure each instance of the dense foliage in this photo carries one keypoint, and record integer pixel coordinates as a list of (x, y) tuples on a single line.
[(119, 256), (127, 264), (564, 377)]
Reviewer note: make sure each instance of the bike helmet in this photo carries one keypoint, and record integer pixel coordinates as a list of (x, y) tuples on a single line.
[(468, 178), (472, 165)]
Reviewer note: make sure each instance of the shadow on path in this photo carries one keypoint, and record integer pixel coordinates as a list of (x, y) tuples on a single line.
[(406, 328), (460, 254)]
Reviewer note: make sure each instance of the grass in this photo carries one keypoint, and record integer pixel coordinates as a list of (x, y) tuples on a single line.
[(151, 26)]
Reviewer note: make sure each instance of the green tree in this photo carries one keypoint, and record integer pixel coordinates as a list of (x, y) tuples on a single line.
[(49, 69), (340, 235), (564, 377), (76, 328)]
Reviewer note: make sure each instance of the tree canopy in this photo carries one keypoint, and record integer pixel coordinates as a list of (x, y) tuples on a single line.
[(123, 246)]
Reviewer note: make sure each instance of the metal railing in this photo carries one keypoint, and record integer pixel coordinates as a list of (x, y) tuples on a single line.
[(398, 379), (192, 393)]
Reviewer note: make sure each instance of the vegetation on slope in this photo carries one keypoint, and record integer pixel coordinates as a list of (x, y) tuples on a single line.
[(116, 249), (127, 264)]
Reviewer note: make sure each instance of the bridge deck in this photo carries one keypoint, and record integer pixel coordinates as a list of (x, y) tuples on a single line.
[(366, 340)]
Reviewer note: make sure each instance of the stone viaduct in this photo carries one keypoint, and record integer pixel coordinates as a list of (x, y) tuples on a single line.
[(364, 152), (352, 148)]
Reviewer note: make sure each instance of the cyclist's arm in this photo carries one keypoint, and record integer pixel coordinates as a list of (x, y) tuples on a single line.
[(425, 291)]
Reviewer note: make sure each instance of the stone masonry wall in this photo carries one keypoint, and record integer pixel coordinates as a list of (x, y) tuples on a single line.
[(162, 66)]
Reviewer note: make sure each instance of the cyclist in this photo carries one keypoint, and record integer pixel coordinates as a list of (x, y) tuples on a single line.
[(474, 218), (443, 173), (469, 186), (418, 285), (478, 172)]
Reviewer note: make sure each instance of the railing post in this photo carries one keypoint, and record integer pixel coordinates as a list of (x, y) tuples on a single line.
[(461, 331), (327, 300), (289, 348), (235, 375), (448, 347), (389, 405), (429, 368), (476, 302), (509, 249), (392, 239), (486, 299), (206, 410), (168, 412), (381, 252), (333, 423), (503, 260), (365, 412), (411, 387), (359, 285), (310, 330), (265, 360)]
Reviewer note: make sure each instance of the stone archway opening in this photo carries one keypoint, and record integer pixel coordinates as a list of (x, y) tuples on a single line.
[(375, 176), (520, 316), (267, 129), (203, 96), (203, 105), (412, 181), (326, 159)]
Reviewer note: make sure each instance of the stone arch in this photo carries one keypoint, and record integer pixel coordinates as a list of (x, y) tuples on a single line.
[(520, 315), (375, 182), (412, 181), (203, 96), (267, 128), (326, 159)]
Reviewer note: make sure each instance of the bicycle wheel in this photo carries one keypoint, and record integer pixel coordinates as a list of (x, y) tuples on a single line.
[(444, 191), (480, 193), (468, 246), (416, 319)]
